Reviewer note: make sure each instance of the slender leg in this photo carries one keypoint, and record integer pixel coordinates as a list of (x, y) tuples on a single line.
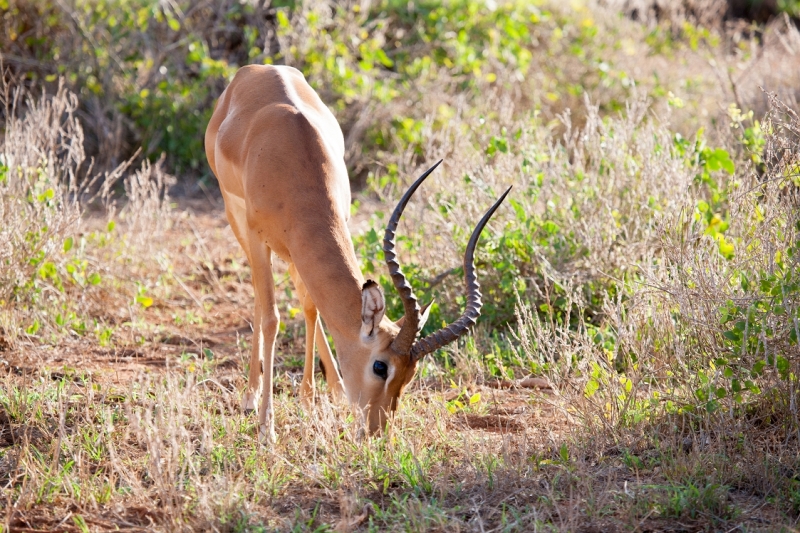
[(310, 314), (332, 375), (250, 396), (307, 385), (315, 335), (265, 331), (238, 221)]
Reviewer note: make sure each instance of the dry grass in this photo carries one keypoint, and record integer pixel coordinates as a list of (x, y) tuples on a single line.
[(145, 434), (170, 451), (123, 413)]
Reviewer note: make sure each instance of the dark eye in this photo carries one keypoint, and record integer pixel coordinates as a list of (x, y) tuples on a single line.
[(381, 369)]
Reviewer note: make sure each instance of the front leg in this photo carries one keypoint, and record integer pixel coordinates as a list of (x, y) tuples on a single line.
[(310, 315), (315, 335), (264, 334), (250, 395), (332, 375), (307, 385)]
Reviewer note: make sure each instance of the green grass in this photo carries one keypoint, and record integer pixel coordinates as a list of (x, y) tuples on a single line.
[(645, 268)]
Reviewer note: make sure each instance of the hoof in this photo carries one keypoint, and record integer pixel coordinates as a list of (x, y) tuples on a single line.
[(337, 392), (266, 434), (248, 402), (307, 397)]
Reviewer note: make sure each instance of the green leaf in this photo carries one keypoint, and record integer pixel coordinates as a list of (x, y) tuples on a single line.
[(144, 301), (701, 394), (550, 227), (726, 249), (33, 328), (782, 364), (68, 242), (519, 210), (475, 398), (383, 58), (732, 336), (174, 24), (283, 19), (95, 279), (724, 160), (591, 388), (752, 387), (46, 195), (48, 270)]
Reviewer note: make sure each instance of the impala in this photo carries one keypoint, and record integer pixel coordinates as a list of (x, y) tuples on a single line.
[(278, 154)]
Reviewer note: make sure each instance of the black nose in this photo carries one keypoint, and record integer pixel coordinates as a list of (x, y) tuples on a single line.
[(381, 369)]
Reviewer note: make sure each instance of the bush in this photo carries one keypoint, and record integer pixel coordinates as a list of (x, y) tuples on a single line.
[(52, 264), (147, 72)]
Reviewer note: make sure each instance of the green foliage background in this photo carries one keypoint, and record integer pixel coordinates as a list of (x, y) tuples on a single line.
[(147, 72)]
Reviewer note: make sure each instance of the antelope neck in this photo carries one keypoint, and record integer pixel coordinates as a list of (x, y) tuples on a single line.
[(336, 288)]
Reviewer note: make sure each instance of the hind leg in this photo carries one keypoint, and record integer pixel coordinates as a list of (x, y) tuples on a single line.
[(235, 212), (264, 333)]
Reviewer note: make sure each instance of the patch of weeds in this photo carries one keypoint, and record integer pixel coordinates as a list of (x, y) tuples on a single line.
[(410, 513), (710, 501)]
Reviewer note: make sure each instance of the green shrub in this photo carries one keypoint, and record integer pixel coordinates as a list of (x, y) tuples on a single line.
[(147, 72)]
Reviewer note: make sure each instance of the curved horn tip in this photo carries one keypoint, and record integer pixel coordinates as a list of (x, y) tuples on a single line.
[(503, 196), (428, 172)]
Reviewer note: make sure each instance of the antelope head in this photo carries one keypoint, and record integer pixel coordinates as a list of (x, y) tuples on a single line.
[(392, 349)]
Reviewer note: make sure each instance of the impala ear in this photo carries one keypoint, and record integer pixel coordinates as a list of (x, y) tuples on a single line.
[(424, 314), (373, 306)]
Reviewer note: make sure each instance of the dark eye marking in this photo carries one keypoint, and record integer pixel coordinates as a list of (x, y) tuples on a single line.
[(381, 369)]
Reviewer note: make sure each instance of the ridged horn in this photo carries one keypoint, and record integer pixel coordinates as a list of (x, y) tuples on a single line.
[(408, 331), (470, 316)]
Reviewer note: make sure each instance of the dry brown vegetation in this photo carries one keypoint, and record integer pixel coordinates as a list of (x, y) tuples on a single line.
[(636, 366)]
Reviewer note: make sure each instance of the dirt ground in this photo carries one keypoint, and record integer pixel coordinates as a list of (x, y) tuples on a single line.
[(208, 315)]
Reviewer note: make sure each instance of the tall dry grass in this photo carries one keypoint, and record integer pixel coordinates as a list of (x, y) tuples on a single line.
[(629, 301), (55, 240), (621, 293)]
